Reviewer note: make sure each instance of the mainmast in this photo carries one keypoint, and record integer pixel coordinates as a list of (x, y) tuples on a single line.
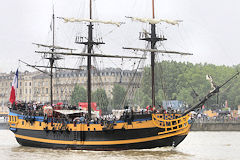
[(53, 55), (89, 59), (51, 60), (153, 43), (90, 42), (153, 35)]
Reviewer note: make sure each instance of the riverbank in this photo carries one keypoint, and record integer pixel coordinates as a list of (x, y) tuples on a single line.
[(3, 125), (213, 125)]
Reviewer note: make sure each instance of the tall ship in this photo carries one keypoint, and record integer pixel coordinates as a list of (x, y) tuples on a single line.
[(52, 127)]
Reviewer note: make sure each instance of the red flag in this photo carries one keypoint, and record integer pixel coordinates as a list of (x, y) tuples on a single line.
[(14, 87)]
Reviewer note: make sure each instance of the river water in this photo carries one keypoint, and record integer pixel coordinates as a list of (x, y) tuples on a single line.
[(197, 146)]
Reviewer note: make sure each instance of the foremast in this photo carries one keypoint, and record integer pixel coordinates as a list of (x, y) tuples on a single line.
[(153, 40)]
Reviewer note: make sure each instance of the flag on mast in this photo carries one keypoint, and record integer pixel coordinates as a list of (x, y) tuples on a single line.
[(14, 87)]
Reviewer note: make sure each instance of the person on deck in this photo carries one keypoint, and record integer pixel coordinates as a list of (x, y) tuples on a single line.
[(149, 108)]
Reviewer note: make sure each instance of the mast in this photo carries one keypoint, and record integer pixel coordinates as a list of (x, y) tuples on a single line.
[(89, 43), (153, 43), (153, 36), (153, 39), (89, 59), (51, 60), (153, 14), (52, 57)]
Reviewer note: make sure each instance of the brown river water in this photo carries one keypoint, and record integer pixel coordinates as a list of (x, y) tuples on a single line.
[(197, 146)]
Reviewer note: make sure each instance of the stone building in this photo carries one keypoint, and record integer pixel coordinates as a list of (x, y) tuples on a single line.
[(35, 86)]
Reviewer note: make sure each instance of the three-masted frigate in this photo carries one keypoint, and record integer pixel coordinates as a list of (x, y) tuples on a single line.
[(130, 131)]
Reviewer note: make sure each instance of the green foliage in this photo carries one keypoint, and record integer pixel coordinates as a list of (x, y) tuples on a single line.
[(79, 94), (173, 81), (180, 81), (118, 93), (100, 97)]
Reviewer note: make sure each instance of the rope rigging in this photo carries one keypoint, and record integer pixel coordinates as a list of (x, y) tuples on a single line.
[(195, 94), (133, 83)]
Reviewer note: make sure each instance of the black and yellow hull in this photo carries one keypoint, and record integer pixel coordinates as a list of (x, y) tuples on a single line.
[(140, 134), (81, 146)]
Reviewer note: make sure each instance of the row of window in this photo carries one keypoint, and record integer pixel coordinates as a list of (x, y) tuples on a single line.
[(6, 84), (84, 74), (96, 74), (20, 84), (63, 82), (12, 118), (39, 90), (26, 84)]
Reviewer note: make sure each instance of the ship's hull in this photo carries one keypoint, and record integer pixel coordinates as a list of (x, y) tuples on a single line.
[(140, 134), (170, 141)]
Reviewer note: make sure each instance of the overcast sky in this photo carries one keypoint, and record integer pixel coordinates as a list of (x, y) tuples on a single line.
[(210, 28)]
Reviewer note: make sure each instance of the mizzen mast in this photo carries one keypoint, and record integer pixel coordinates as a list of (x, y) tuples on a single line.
[(52, 58)]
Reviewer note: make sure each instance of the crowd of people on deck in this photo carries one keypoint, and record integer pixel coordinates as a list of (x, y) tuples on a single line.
[(46, 110), (160, 109), (37, 106)]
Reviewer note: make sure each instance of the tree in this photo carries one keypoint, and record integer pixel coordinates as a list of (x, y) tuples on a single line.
[(159, 97), (79, 94), (184, 81), (100, 97), (118, 93)]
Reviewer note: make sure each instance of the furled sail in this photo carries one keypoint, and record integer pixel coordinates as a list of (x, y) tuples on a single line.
[(89, 20), (158, 51), (51, 46), (155, 21)]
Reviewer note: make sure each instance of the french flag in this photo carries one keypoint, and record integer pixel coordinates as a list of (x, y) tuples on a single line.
[(14, 87)]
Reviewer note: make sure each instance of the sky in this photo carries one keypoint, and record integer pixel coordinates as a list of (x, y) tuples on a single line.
[(210, 29)]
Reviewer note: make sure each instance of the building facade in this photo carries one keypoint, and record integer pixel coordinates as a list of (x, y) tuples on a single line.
[(35, 86)]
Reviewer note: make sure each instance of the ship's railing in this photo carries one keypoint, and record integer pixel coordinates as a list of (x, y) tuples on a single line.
[(13, 121), (170, 122)]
